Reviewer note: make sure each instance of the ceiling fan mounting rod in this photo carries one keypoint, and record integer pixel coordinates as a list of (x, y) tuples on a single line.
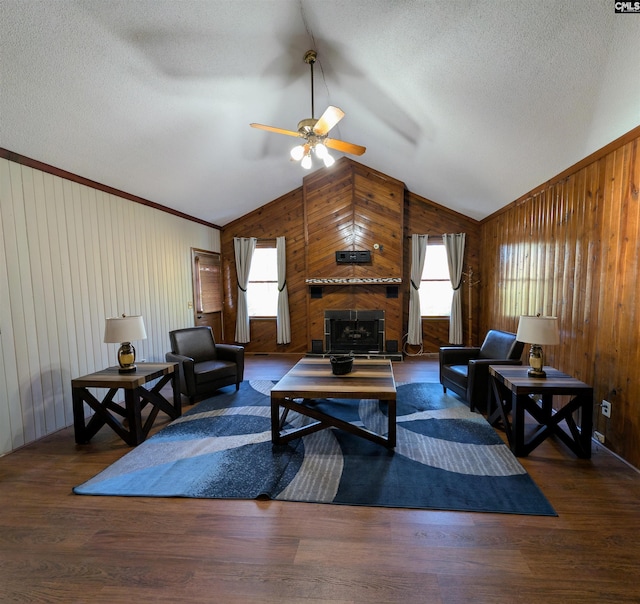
[(310, 58)]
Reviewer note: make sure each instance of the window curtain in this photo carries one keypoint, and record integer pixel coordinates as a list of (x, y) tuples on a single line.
[(454, 245), (418, 253), (243, 247), (283, 325)]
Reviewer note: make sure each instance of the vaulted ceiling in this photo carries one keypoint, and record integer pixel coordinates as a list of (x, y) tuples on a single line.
[(471, 103)]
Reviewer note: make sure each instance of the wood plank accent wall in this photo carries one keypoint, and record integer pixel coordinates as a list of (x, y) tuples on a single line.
[(281, 217), (328, 221), (349, 207), (352, 208), (425, 217), (70, 256), (570, 248)]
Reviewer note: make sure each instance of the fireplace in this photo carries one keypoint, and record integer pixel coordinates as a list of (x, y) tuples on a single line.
[(358, 331)]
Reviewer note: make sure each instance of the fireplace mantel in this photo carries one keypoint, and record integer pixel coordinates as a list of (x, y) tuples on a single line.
[(354, 281)]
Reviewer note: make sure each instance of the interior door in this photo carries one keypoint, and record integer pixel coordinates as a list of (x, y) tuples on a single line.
[(207, 290)]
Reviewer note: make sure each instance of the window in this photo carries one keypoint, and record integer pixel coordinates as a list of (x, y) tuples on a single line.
[(436, 292), (262, 288)]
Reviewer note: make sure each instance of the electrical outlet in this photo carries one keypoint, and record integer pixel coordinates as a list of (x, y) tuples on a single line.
[(599, 437), (606, 408)]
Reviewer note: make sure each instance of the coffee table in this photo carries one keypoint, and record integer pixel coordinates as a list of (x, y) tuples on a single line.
[(312, 379)]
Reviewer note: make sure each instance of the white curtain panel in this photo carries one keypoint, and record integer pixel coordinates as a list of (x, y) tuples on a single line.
[(283, 324), (454, 245), (243, 247), (418, 253)]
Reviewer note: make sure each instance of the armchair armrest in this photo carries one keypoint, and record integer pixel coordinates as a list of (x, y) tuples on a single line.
[(478, 380), (185, 370), (233, 353), (458, 355), (172, 357), (229, 352), (495, 362)]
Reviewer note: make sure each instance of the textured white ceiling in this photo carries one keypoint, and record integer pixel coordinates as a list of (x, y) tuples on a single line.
[(470, 103)]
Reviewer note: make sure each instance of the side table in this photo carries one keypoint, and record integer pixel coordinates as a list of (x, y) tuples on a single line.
[(511, 388), (136, 398)]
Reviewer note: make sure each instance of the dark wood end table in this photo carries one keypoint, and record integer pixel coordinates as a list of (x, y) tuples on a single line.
[(511, 388), (136, 398), (311, 379)]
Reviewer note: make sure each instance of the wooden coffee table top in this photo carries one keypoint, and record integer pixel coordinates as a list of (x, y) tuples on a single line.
[(313, 378)]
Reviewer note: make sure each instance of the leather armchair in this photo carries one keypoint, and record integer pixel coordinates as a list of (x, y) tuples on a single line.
[(203, 365), (465, 369)]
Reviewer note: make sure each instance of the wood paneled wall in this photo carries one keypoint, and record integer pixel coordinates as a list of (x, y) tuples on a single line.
[(70, 256), (570, 249), (350, 207), (425, 217), (281, 217)]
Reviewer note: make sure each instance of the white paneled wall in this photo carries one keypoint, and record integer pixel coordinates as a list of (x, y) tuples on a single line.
[(71, 256)]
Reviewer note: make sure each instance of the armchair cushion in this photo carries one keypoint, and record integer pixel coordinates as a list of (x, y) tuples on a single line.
[(210, 371), (465, 370)]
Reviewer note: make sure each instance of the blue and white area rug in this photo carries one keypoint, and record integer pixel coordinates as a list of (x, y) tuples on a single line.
[(446, 457)]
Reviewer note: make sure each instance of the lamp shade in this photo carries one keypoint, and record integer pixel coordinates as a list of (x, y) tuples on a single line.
[(124, 329), (538, 330)]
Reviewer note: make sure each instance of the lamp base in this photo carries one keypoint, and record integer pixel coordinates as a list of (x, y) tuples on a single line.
[(127, 358), (536, 373), (536, 362)]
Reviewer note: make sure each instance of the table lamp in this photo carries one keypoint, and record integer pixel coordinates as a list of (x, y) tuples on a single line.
[(538, 331), (124, 330)]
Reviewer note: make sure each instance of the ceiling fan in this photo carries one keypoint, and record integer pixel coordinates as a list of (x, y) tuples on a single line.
[(315, 131)]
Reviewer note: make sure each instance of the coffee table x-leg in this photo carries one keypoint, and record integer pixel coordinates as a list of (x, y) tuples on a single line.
[(323, 420)]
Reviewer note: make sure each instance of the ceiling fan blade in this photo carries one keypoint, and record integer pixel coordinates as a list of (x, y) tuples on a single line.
[(274, 129), (328, 120), (334, 143)]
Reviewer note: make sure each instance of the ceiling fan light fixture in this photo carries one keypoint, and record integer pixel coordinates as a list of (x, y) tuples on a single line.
[(328, 161), (306, 162), (297, 153), (321, 150)]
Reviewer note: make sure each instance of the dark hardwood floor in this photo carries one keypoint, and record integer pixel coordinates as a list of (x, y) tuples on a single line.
[(59, 547)]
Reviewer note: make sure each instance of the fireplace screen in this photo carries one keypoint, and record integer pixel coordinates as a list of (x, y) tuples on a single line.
[(354, 331)]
